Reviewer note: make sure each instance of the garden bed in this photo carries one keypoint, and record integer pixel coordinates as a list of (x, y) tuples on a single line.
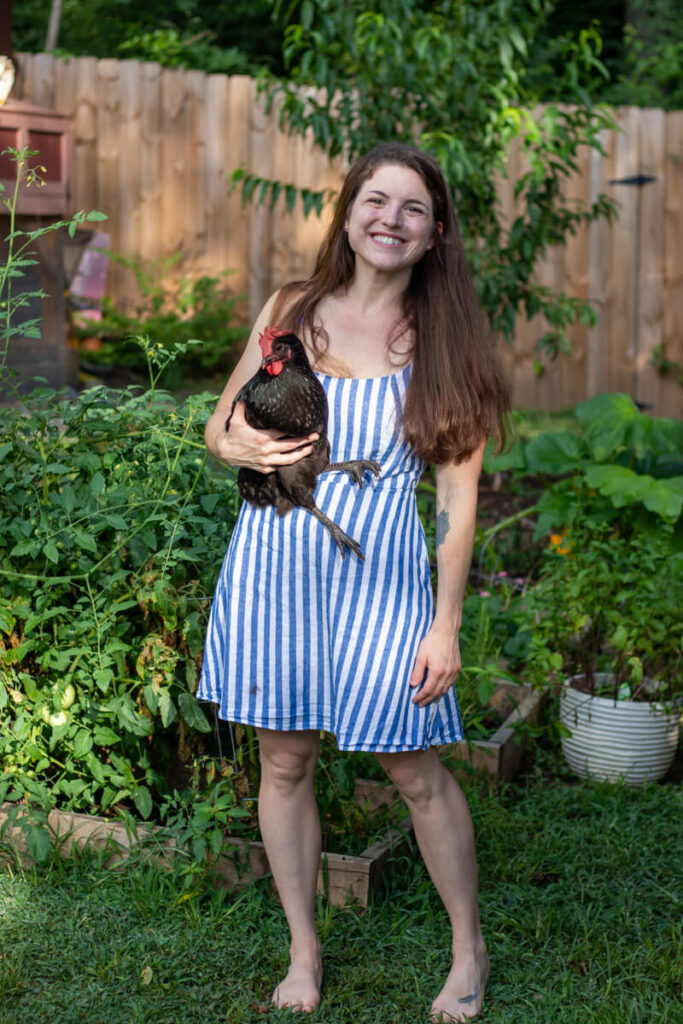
[(501, 755), (342, 878)]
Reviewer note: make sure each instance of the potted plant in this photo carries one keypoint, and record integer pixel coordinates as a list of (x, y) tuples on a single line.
[(606, 614)]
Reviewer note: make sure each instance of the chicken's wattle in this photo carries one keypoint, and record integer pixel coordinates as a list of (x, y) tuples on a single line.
[(275, 367)]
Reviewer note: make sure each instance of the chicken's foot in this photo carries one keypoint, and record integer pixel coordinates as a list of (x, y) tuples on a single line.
[(341, 539), (355, 468)]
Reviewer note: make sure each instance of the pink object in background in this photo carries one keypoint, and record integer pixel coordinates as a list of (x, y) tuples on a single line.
[(90, 280)]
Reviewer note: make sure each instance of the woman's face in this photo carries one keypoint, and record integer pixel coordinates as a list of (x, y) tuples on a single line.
[(390, 224)]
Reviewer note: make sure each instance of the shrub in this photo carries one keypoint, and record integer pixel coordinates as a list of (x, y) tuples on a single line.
[(113, 528)]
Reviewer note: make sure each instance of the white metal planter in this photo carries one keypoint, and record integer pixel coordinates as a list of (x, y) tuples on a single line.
[(611, 740)]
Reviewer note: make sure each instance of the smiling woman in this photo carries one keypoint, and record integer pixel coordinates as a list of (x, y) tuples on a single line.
[(303, 638)]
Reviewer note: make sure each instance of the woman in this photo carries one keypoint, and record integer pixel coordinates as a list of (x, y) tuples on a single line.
[(301, 640)]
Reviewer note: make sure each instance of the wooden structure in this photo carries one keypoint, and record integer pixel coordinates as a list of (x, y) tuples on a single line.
[(341, 878), (153, 149), (501, 755), (24, 124)]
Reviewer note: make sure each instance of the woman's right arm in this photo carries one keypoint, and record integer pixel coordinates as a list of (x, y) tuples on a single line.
[(242, 445)]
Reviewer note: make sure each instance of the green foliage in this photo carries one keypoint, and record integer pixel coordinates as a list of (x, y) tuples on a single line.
[(486, 620), (606, 591), (621, 466), (200, 817), (112, 531), (610, 602), (266, 190), (235, 38), (450, 77), (653, 55), (170, 312), (173, 49)]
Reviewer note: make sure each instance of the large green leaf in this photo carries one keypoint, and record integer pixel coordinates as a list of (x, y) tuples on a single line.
[(604, 420), (82, 743), (38, 842), (623, 486), (554, 510), (666, 498), (142, 798), (556, 453), (192, 712), (513, 458)]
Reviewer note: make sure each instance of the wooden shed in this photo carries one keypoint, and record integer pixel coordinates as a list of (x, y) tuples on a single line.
[(22, 125)]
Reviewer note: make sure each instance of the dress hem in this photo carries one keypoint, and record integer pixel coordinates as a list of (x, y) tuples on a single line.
[(373, 748)]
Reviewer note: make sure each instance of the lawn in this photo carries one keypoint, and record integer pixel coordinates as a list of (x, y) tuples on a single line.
[(581, 894)]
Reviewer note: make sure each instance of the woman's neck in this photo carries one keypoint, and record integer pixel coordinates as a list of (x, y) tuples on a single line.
[(376, 293)]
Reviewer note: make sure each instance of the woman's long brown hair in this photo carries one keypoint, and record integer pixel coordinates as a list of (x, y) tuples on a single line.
[(457, 395)]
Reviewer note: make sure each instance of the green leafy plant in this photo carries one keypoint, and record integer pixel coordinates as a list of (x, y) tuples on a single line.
[(203, 308), (450, 78), (620, 466), (113, 529), (609, 602), (653, 52), (19, 257), (199, 818), (605, 592)]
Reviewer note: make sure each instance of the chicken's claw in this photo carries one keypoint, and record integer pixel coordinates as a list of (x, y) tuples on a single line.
[(356, 468)]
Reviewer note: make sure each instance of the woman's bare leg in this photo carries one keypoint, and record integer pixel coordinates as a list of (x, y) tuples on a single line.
[(445, 835), (290, 828)]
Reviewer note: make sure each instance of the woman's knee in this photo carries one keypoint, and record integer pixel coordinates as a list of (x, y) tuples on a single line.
[(416, 774), (288, 759)]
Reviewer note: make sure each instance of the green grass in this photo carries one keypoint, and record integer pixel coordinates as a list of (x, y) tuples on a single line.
[(581, 897)]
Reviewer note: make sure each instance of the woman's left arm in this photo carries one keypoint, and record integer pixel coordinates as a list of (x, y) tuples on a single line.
[(456, 512)]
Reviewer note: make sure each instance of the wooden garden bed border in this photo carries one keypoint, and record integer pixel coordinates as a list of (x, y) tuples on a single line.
[(342, 878), (501, 755)]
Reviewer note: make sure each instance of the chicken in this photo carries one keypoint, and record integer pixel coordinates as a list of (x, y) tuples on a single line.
[(286, 395)]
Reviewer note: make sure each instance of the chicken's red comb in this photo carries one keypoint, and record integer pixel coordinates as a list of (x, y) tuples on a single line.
[(269, 335)]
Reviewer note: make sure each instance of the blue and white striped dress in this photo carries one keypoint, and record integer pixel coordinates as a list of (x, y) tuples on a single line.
[(301, 638)]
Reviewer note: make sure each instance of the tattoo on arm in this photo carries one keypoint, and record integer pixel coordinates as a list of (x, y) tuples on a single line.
[(442, 527)]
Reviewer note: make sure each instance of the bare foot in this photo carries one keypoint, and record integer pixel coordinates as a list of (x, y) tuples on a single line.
[(300, 989), (462, 996)]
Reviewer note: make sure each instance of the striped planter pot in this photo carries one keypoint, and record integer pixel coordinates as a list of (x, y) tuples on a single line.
[(612, 740)]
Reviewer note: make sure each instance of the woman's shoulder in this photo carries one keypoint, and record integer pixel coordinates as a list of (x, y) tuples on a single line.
[(281, 302)]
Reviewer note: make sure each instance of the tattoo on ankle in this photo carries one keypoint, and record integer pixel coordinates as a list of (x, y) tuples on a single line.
[(469, 999), (442, 527)]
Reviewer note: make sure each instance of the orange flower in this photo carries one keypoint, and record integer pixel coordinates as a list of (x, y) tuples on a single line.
[(557, 541)]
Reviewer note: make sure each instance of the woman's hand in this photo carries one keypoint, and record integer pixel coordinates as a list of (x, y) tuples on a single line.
[(262, 450), (439, 656)]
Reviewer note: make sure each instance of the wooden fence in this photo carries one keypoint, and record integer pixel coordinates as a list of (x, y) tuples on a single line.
[(153, 148)]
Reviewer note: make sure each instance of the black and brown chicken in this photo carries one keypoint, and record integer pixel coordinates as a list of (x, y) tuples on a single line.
[(284, 394)]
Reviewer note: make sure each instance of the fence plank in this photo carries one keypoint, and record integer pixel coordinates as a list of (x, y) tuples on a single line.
[(670, 401), (650, 256), (130, 198), (620, 311), (150, 145), (84, 183), (237, 152), (262, 137), (573, 278), (110, 185), (195, 176), (173, 160)]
